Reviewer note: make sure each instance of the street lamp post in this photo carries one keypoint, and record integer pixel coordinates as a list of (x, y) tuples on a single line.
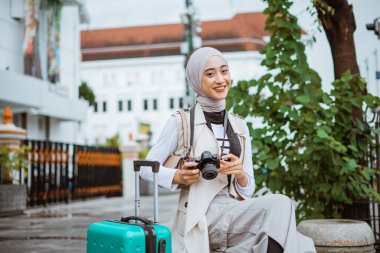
[(377, 73), (375, 26), (192, 41), (189, 44)]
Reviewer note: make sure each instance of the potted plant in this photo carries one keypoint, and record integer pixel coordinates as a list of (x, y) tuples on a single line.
[(12, 191)]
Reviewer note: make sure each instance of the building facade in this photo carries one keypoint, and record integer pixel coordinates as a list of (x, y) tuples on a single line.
[(138, 75), (39, 67)]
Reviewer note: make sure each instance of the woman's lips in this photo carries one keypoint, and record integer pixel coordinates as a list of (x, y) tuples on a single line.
[(219, 88)]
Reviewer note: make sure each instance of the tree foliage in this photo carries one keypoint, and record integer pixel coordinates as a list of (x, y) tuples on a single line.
[(306, 144), (86, 92), (113, 141), (11, 162)]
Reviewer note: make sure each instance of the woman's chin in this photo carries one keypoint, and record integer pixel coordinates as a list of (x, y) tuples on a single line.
[(220, 96)]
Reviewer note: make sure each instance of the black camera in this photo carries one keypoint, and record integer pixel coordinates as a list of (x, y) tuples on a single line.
[(208, 164)]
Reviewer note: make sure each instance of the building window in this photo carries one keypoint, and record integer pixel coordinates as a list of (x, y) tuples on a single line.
[(104, 106), (120, 105), (129, 105), (180, 102), (145, 104), (96, 107), (155, 104), (171, 103)]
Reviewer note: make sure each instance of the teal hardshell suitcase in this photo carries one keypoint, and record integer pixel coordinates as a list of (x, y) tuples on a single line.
[(132, 234)]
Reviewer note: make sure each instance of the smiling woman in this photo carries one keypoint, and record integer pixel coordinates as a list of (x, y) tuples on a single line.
[(217, 213), (216, 79)]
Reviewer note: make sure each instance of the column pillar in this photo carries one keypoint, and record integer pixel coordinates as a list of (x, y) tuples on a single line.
[(10, 138), (12, 188), (130, 152)]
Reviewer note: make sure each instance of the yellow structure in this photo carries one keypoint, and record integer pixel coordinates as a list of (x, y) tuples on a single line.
[(10, 135)]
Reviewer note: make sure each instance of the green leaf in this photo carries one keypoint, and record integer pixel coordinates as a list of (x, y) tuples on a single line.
[(353, 148), (352, 164), (322, 134), (357, 102), (366, 174), (304, 99), (273, 163), (337, 146), (325, 187), (375, 130)]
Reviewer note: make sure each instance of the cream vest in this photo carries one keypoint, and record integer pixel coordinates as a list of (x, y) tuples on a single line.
[(190, 231)]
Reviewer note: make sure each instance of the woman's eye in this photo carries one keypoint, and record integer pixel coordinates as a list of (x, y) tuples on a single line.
[(225, 71), (210, 74)]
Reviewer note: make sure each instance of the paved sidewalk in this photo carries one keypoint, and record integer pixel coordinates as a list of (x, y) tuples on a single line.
[(62, 228)]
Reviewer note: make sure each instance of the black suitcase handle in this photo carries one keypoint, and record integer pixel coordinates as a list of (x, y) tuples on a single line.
[(154, 164), (136, 218)]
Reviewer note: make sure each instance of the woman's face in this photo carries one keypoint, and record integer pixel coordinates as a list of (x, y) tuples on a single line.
[(216, 79)]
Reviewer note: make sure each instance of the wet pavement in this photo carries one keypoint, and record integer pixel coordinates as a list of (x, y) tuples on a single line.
[(62, 228)]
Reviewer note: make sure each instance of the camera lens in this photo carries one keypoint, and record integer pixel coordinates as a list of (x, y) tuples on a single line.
[(209, 171)]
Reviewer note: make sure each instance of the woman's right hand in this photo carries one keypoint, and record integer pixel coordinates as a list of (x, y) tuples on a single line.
[(187, 174)]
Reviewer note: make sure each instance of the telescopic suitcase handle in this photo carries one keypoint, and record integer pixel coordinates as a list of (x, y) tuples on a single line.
[(135, 218), (155, 168)]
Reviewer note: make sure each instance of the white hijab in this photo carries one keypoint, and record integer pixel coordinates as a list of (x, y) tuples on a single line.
[(194, 72)]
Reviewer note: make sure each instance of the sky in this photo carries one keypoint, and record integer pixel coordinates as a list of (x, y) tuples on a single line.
[(126, 13)]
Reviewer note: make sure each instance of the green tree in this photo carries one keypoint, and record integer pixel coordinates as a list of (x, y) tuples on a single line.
[(113, 141), (338, 22), (86, 93), (11, 162), (307, 145)]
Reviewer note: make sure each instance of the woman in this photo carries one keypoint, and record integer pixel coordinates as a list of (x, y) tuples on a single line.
[(218, 215)]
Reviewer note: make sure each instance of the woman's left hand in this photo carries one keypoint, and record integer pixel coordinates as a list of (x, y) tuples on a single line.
[(233, 167)]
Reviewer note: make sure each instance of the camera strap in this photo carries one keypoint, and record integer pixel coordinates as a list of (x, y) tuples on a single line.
[(225, 123), (192, 115)]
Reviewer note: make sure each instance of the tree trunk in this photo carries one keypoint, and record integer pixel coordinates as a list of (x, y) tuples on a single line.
[(339, 25)]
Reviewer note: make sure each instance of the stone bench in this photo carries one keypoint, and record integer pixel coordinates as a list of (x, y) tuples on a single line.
[(339, 235)]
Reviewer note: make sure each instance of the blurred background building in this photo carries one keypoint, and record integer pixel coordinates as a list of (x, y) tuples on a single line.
[(39, 66), (133, 58), (138, 77), (134, 55)]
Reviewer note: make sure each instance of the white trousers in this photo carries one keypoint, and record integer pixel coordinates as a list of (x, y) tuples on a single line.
[(244, 226)]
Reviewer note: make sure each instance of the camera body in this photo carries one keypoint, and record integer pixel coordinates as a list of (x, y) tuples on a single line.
[(208, 164)]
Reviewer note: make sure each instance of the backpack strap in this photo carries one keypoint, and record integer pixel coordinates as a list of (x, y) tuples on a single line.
[(184, 122), (183, 117)]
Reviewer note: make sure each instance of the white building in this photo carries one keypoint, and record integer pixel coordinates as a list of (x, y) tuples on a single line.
[(48, 110), (138, 77)]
